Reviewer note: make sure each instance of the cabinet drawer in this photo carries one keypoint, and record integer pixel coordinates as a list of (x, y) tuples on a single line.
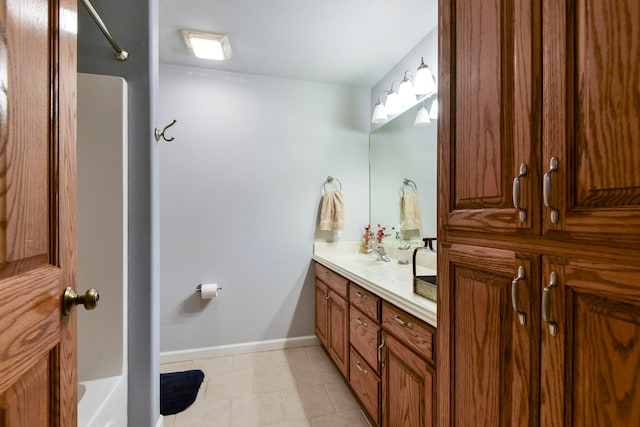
[(415, 333), (365, 301), (366, 385), (336, 282), (364, 336)]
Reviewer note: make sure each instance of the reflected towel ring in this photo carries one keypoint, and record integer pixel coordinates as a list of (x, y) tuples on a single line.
[(330, 180), (408, 183)]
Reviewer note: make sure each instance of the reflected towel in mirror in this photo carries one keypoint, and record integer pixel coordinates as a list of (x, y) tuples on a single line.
[(410, 211), (332, 211)]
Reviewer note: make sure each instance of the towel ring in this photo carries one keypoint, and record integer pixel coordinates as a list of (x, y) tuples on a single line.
[(408, 183), (330, 180)]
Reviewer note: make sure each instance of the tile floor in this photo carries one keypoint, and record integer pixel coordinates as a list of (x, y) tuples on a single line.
[(293, 388)]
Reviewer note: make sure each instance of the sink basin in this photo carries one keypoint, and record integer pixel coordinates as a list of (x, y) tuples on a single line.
[(426, 286)]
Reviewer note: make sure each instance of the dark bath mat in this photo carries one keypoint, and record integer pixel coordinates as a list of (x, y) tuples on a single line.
[(178, 390)]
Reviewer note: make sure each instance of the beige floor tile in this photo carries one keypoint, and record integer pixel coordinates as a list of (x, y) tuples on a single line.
[(306, 402), (213, 365), (297, 423), (225, 385), (316, 354), (342, 397), (343, 419), (315, 374), (175, 367), (274, 379), (205, 412), (261, 360), (291, 356), (256, 410)]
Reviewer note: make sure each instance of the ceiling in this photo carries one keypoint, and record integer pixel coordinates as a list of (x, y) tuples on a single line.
[(349, 42)]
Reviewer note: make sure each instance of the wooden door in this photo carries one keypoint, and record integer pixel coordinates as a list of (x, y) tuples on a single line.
[(322, 316), (488, 361), (591, 366), (339, 332), (489, 86), (408, 387), (38, 384), (592, 120)]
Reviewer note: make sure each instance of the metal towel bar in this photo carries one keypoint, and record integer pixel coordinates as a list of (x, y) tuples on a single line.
[(120, 53)]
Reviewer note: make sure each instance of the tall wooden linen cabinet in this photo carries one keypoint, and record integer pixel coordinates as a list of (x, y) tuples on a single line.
[(539, 213)]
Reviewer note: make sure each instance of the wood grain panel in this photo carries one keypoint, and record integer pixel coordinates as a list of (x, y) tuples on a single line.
[(26, 403), (366, 384), (607, 91), (339, 332), (478, 100), (408, 387), (333, 280), (322, 312), (30, 324), (364, 336), (365, 301), (591, 368), (24, 224), (417, 334)]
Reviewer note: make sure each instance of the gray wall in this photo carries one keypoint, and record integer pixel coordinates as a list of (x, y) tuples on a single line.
[(134, 25), (240, 190)]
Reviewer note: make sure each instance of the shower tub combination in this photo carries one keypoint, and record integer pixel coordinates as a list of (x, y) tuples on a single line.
[(102, 250)]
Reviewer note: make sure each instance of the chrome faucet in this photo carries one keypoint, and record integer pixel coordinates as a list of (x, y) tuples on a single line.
[(382, 255)]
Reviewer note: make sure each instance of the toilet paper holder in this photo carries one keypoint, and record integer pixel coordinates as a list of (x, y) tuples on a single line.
[(199, 288)]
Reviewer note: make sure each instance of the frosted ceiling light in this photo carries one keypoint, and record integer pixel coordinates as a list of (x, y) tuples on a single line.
[(424, 83), (422, 118), (207, 45), (379, 113), (406, 92)]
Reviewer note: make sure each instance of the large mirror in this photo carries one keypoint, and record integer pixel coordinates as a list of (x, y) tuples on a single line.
[(400, 151)]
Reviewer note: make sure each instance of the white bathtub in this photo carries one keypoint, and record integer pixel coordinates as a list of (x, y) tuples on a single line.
[(102, 250), (101, 402)]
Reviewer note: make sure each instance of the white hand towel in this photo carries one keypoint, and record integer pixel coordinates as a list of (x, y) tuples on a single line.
[(332, 211), (410, 212)]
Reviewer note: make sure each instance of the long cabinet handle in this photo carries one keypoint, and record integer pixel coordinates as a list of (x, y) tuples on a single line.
[(515, 296), (403, 323), (380, 347), (546, 190), (522, 213), (546, 304)]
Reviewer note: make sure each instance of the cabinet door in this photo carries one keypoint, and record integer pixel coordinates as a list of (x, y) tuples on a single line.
[(489, 97), (592, 120), (488, 361), (408, 387), (339, 332), (322, 310), (591, 367)]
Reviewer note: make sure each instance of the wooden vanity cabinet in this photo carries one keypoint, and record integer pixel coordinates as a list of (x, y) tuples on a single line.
[(408, 370), (539, 213), (332, 315)]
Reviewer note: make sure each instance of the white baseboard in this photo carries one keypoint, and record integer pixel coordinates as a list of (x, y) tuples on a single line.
[(232, 349), (160, 422)]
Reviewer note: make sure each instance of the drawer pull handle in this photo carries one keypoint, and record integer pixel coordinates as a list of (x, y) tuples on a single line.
[(380, 350), (326, 273), (522, 213), (326, 298), (515, 296), (546, 190), (546, 304), (361, 322), (359, 295), (403, 323), (364, 371)]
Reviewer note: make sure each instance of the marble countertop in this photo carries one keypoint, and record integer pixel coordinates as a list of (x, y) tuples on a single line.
[(389, 280)]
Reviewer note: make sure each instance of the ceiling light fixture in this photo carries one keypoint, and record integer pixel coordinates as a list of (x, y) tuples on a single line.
[(406, 92), (207, 45), (422, 118), (392, 104), (379, 112), (424, 83)]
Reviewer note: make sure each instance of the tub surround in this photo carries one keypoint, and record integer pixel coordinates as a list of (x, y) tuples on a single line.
[(390, 280)]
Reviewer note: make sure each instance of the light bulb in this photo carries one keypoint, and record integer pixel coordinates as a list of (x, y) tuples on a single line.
[(406, 93)]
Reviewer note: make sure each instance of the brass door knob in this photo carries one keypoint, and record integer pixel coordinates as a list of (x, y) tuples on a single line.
[(70, 299)]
